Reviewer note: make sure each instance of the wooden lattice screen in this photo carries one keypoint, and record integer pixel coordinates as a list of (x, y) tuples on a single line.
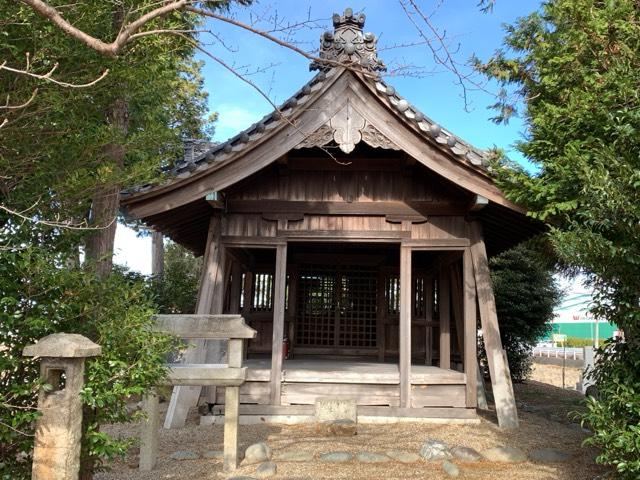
[(337, 306)]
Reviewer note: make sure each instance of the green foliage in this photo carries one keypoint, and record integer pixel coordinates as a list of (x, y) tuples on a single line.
[(614, 416), (573, 342), (177, 290), (52, 153), (575, 68), (39, 297), (526, 295)]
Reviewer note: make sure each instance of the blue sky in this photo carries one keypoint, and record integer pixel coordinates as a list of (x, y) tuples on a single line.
[(436, 94)]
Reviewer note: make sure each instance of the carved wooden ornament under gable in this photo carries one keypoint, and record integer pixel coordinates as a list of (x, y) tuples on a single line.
[(347, 128)]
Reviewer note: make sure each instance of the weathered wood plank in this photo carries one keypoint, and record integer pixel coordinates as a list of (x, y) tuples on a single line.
[(278, 323), (205, 374), (438, 396), (405, 326), (204, 326), (500, 381), (436, 243), (344, 234)]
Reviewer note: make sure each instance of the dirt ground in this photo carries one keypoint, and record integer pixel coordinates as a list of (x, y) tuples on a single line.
[(545, 423)]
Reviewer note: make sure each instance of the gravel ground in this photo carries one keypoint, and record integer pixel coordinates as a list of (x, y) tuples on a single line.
[(545, 423)]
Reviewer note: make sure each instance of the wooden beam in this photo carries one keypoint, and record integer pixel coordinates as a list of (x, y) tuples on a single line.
[(183, 398), (444, 307), (278, 323), (346, 235), (157, 254), (437, 243), (405, 326), (470, 329), (417, 209), (478, 203), (498, 368)]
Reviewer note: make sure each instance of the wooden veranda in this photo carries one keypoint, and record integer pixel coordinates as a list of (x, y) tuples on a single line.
[(354, 230)]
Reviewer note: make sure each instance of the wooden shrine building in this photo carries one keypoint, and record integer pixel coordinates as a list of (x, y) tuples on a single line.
[(350, 229)]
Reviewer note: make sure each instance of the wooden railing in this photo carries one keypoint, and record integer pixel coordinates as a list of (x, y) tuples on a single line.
[(229, 375)]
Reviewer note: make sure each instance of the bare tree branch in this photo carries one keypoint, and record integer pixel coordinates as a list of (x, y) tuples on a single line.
[(47, 76)]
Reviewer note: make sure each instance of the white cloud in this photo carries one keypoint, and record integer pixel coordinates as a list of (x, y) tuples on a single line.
[(132, 251)]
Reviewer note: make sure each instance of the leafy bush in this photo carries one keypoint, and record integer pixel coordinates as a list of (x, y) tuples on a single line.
[(38, 297), (176, 291), (526, 295), (576, 342), (614, 416)]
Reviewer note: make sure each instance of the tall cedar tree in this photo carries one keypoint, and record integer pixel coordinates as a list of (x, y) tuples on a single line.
[(575, 68)]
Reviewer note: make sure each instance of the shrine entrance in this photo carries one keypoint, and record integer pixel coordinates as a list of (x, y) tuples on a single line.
[(336, 309)]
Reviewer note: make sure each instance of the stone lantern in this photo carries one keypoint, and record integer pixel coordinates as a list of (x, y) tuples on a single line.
[(59, 429)]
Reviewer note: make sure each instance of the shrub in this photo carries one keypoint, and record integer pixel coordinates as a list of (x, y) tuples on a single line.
[(526, 295), (614, 416), (38, 297)]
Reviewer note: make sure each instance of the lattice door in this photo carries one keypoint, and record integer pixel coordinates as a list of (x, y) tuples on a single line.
[(336, 307)]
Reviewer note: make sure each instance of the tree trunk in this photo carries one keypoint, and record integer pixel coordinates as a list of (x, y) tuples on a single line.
[(106, 198), (157, 255)]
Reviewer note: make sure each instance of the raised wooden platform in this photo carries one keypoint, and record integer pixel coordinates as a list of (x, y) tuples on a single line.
[(371, 384)]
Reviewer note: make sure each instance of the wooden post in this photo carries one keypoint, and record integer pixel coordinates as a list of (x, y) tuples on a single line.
[(405, 326), (457, 302), (235, 288), (444, 307), (232, 408), (149, 437), (381, 304), (470, 329), (278, 323), (428, 294), (183, 397), (499, 371)]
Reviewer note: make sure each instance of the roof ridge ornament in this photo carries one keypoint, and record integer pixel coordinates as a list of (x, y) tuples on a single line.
[(348, 45)]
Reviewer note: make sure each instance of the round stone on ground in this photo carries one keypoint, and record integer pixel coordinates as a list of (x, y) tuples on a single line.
[(257, 453), (435, 450), (549, 455), (215, 454), (293, 456), (504, 454), (450, 469), (183, 455), (466, 454), (368, 457), (336, 457), (339, 428), (403, 457), (266, 470)]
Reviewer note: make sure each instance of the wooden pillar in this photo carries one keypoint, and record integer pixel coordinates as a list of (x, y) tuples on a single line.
[(232, 408), (183, 397), (235, 288), (381, 316), (444, 307), (428, 295), (278, 323), (405, 326), (457, 303), (470, 330), (498, 367)]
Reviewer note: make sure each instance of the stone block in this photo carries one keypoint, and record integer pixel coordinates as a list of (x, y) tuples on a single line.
[(336, 408)]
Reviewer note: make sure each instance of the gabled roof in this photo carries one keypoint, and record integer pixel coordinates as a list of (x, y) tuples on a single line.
[(345, 103)]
